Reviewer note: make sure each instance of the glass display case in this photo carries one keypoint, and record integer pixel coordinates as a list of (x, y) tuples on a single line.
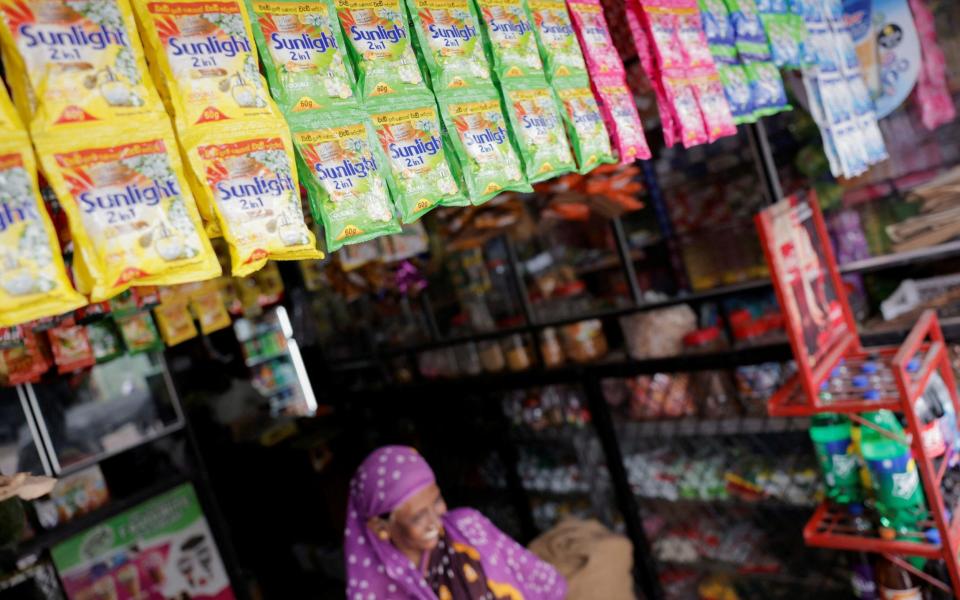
[(92, 414), (19, 443)]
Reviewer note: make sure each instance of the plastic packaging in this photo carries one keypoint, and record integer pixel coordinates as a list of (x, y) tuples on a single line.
[(479, 135), (619, 111), (657, 333), (535, 116), (204, 61), (595, 41), (421, 175), (250, 184), (34, 283), (451, 43), (585, 128), (380, 44), (556, 38), (342, 168), (132, 217), (75, 61), (303, 54), (510, 39)]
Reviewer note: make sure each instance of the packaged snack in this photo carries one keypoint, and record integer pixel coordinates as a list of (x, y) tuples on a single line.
[(204, 60), (479, 134), (105, 340), (75, 61), (34, 282), (250, 182), (595, 41), (619, 110), (535, 116), (175, 322), (343, 171), (71, 348), (139, 333), (421, 174), (303, 54), (377, 36), (132, 219), (450, 39), (510, 39), (556, 38), (585, 128)]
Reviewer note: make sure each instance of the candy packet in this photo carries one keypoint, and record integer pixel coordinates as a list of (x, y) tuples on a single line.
[(451, 43), (585, 128), (250, 184), (556, 39), (204, 60), (75, 61), (343, 170), (131, 215), (379, 42), (480, 136), (619, 110), (594, 34), (421, 174), (510, 39), (303, 54), (537, 123), (34, 282)]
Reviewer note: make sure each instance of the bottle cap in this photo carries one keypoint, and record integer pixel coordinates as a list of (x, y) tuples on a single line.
[(860, 381), (869, 367), (914, 365), (855, 509), (932, 535), (871, 395)]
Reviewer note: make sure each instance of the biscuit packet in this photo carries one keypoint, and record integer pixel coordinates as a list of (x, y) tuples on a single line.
[(303, 54), (75, 61), (482, 140), (131, 215), (511, 43), (450, 42), (34, 283), (379, 42), (249, 181), (343, 170), (556, 39), (537, 123), (423, 172), (585, 128), (204, 61)]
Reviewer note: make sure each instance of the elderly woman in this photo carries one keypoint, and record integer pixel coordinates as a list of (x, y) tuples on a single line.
[(401, 542)]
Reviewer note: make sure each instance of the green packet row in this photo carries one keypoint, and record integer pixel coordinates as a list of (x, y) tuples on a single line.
[(450, 43), (585, 126), (303, 53)]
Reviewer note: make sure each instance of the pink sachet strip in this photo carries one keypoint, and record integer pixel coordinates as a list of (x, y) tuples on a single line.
[(619, 110), (594, 35), (636, 20), (933, 93)]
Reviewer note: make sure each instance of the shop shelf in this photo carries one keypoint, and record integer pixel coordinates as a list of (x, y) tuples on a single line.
[(699, 427), (832, 528)]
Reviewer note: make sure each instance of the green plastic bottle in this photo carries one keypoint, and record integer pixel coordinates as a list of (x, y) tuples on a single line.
[(900, 500), (833, 442)]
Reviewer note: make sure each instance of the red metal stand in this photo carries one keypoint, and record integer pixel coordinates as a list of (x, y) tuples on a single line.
[(819, 348)]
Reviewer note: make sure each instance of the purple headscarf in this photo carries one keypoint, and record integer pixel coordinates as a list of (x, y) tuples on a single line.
[(376, 570)]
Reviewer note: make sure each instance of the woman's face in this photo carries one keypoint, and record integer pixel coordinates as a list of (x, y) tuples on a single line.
[(416, 523)]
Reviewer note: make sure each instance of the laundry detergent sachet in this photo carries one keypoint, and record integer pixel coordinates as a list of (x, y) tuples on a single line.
[(450, 42), (535, 116), (556, 38), (249, 179), (480, 135), (75, 61), (34, 283), (379, 41), (595, 40), (342, 167), (131, 215), (585, 127), (619, 110), (303, 54), (204, 60), (511, 42), (423, 171)]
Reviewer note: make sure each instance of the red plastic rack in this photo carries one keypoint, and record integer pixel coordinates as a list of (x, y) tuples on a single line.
[(804, 273)]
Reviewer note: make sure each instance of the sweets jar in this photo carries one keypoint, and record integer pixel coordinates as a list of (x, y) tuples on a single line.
[(583, 341), (550, 349), (491, 356), (517, 352)]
